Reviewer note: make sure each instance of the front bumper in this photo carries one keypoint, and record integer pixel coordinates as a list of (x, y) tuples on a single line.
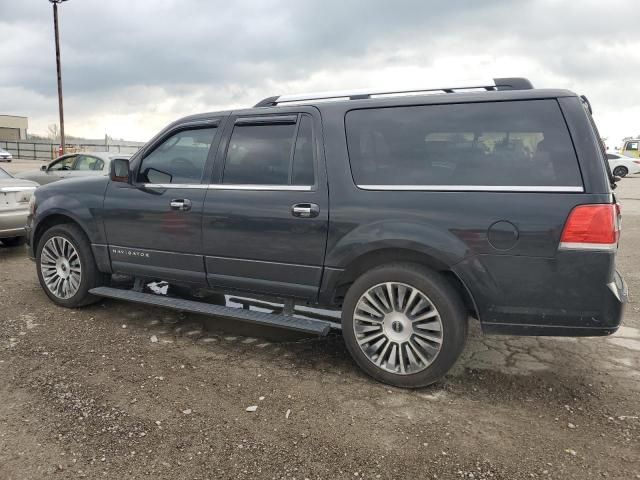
[(12, 223)]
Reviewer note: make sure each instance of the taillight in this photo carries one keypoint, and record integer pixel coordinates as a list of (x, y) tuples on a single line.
[(637, 161), (592, 227)]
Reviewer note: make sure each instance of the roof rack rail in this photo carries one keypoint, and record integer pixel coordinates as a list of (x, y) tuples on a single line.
[(510, 83)]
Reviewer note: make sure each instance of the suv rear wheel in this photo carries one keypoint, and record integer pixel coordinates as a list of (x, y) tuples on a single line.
[(66, 267), (404, 324)]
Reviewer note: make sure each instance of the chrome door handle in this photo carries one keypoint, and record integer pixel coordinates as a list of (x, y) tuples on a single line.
[(180, 204), (305, 210)]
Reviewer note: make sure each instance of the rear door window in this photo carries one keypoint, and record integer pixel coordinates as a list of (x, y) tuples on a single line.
[(271, 154), (88, 162), (497, 144)]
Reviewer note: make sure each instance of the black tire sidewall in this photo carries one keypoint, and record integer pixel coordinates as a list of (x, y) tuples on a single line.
[(446, 300), (90, 277), (622, 171)]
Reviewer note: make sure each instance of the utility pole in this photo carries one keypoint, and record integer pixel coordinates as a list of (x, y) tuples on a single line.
[(60, 109)]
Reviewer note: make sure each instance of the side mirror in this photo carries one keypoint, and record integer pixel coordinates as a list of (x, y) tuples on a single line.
[(119, 170), (157, 176), (44, 168)]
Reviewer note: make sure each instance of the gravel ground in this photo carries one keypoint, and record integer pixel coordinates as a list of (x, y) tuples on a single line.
[(124, 391)]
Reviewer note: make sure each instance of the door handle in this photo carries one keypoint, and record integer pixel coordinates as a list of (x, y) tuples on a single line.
[(182, 204), (305, 210)]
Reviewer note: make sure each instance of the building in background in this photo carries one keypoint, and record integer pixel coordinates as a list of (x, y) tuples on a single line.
[(13, 128)]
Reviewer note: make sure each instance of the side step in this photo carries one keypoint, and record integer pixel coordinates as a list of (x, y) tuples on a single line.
[(307, 325)]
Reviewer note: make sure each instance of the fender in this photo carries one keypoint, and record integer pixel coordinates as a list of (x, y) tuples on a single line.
[(83, 204), (442, 246)]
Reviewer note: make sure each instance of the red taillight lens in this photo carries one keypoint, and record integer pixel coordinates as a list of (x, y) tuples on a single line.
[(637, 161), (591, 227)]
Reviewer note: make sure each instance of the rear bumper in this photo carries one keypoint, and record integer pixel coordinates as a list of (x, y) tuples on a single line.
[(566, 323), (12, 223)]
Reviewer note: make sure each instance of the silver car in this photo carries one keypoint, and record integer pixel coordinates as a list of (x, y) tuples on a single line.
[(14, 207), (5, 156), (71, 166)]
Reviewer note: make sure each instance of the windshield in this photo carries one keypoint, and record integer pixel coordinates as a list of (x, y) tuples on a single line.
[(4, 174)]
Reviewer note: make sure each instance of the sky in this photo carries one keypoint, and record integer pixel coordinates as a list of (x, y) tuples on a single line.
[(130, 67)]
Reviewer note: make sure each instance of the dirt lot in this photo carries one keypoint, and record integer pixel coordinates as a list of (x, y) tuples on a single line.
[(87, 393)]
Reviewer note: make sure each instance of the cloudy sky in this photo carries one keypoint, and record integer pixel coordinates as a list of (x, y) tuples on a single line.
[(132, 66)]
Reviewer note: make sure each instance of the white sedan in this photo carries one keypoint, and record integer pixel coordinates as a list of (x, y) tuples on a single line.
[(5, 156), (14, 208), (621, 165)]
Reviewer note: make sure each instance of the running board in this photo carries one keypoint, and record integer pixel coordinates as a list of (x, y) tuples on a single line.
[(306, 325)]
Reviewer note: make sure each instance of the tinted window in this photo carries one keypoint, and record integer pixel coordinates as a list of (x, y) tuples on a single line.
[(632, 146), (86, 162), (522, 143), (179, 159), (303, 173), (259, 154)]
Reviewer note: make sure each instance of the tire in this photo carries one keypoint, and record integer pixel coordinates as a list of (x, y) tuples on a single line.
[(621, 171), (435, 299), (55, 245), (14, 241)]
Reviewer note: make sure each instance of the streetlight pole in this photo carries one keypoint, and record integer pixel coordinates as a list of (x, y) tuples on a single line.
[(57, 35)]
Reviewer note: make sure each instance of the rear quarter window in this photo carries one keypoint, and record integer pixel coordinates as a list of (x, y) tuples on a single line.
[(493, 144)]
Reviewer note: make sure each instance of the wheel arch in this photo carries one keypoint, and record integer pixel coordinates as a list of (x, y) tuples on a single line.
[(51, 220), (337, 282)]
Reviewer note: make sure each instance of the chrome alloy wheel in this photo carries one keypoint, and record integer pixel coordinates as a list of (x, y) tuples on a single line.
[(398, 328), (61, 267)]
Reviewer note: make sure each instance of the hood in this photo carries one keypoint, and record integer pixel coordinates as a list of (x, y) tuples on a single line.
[(70, 185)]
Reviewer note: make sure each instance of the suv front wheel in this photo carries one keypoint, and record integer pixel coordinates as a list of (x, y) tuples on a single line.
[(66, 267), (404, 324)]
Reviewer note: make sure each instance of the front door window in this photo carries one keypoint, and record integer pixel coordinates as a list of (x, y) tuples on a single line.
[(180, 159), (63, 164)]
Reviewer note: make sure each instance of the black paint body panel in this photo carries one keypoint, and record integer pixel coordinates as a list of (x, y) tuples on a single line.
[(247, 240)]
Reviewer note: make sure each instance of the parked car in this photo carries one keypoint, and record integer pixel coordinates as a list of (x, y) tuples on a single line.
[(15, 195), (631, 148), (5, 156), (408, 213), (621, 165), (73, 165)]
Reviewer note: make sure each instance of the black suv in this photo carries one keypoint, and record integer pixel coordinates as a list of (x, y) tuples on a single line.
[(406, 211)]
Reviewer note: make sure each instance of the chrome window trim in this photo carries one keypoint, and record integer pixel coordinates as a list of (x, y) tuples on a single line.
[(192, 186), (286, 188), (474, 188), (16, 189), (219, 186)]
